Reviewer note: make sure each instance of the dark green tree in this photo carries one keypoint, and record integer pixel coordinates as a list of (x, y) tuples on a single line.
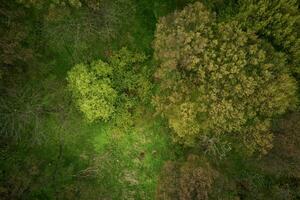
[(277, 21)]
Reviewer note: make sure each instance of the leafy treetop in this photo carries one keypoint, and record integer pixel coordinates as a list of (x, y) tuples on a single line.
[(217, 80), (105, 90)]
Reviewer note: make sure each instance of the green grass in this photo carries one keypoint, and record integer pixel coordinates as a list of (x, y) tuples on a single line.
[(135, 158), (96, 160)]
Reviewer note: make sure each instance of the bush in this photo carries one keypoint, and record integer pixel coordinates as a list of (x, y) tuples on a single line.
[(216, 79)]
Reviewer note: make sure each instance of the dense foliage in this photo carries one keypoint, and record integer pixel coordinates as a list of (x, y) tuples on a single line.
[(217, 79), (278, 21), (100, 89), (92, 89)]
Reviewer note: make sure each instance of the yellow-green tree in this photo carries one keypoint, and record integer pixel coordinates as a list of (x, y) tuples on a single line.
[(217, 80), (93, 91), (103, 91)]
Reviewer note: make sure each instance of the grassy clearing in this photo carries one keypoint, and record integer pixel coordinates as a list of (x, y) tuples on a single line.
[(131, 162), (93, 161)]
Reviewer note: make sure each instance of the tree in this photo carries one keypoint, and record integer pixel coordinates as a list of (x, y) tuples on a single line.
[(276, 20), (284, 158), (24, 104), (216, 80), (14, 32), (189, 180), (92, 88), (42, 3), (110, 90)]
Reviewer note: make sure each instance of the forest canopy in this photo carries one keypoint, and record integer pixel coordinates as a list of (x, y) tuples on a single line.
[(149, 99)]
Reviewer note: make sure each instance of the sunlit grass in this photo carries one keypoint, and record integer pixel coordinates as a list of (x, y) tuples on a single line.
[(135, 159)]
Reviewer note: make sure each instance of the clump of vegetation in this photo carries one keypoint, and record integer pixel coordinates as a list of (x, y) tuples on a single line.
[(192, 179), (92, 89), (217, 79), (278, 21), (13, 36), (284, 159), (103, 89)]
